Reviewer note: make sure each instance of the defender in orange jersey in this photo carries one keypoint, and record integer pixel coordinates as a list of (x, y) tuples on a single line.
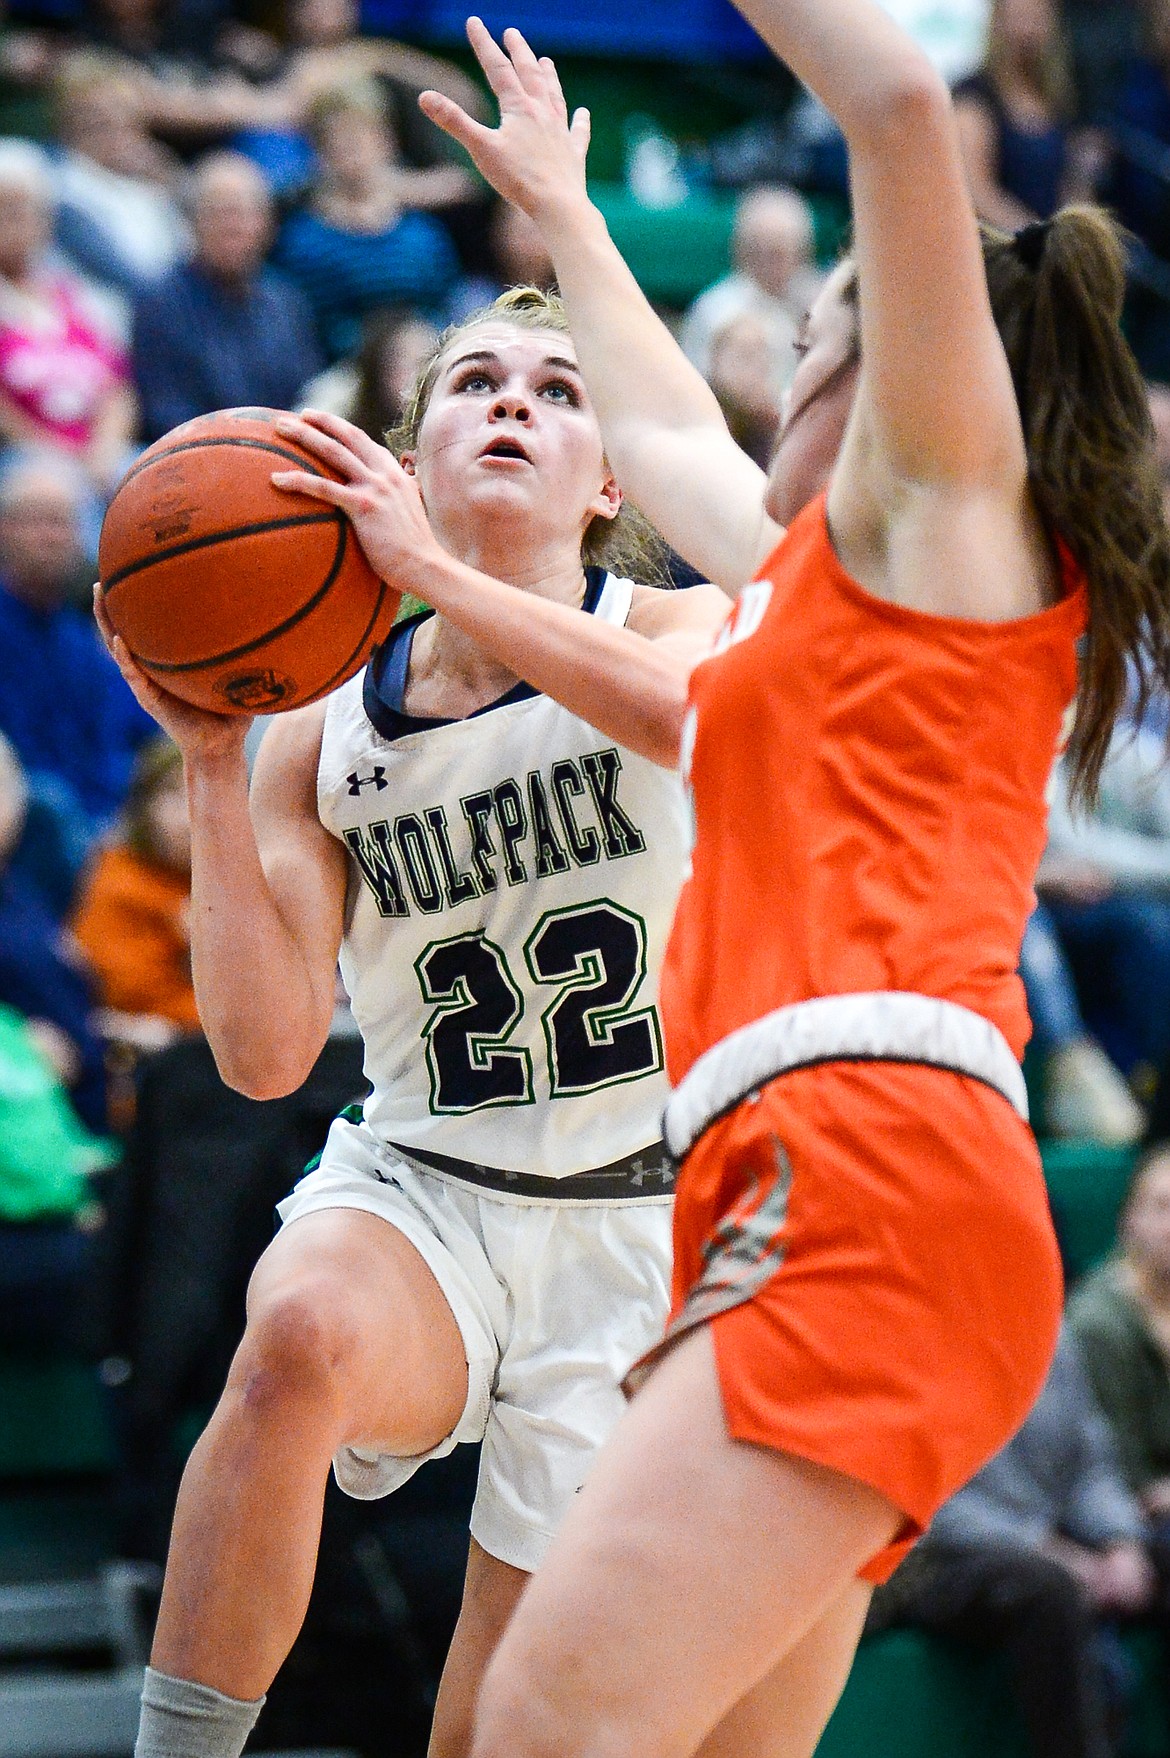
[(863, 936), (867, 1287)]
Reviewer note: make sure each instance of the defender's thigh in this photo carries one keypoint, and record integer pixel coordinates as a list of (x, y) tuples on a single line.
[(785, 1715), (343, 1297), (686, 1570)]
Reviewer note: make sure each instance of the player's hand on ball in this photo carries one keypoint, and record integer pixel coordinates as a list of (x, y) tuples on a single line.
[(536, 157), (380, 498), (196, 731)]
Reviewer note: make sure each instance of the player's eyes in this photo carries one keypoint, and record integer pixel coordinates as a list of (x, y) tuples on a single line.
[(559, 390), (475, 379)]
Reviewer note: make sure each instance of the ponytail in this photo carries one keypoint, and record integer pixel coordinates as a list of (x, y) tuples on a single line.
[(1057, 294)]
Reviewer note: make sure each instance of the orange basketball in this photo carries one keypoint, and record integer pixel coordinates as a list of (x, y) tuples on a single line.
[(229, 593)]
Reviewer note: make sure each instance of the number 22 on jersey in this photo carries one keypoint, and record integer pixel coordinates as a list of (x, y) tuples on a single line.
[(592, 957)]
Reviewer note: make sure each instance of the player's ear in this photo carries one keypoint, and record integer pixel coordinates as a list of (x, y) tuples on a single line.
[(607, 502), (406, 459)]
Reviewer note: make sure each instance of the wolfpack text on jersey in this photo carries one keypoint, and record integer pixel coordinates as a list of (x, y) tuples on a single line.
[(512, 881)]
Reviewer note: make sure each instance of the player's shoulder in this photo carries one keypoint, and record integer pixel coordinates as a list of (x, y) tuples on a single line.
[(662, 610), (290, 747)]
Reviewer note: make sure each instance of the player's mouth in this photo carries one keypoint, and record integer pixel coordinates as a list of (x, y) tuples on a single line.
[(507, 449)]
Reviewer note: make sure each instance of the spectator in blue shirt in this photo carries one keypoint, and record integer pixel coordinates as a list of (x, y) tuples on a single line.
[(223, 330), (63, 704), (362, 241)]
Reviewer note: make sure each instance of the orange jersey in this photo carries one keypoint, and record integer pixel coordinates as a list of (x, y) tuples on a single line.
[(869, 791)]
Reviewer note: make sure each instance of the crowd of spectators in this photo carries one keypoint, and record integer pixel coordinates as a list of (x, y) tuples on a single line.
[(196, 213)]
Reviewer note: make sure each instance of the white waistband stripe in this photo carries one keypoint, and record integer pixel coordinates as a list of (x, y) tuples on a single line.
[(886, 1026)]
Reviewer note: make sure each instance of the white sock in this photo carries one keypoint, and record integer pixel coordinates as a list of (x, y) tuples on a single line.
[(181, 1719)]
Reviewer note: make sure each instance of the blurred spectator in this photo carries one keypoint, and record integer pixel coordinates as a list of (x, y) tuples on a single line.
[(41, 974), (1105, 879), (1084, 1094), (178, 52), (117, 216), (952, 32), (1120, 1315), (1140, 189), (64, 377), (1040, 1546), (773, 279), (1023, 157), (268, 111), (170, 37), (133, 917), (46, 1211), (519, 258), (372, 389), (63, 703), (326, 51), (1104, 41), (742, 376), (222, 330), (360, 242), (26, 60)]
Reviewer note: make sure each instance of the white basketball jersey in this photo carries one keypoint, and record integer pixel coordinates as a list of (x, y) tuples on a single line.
[(512, 881)]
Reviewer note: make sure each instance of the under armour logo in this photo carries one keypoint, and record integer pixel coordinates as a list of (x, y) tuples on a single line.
[(377, 779)]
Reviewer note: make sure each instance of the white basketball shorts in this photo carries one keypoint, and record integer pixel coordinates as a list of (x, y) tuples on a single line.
[(555, 1302)]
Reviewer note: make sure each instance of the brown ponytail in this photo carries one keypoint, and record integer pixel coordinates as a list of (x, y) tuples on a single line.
[(1091, 456)]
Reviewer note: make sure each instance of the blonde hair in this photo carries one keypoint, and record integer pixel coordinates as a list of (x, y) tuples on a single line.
[(628, 545), (88, 70), (359, 96)]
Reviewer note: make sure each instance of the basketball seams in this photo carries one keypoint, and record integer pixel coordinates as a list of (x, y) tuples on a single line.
[(303, 460), (346, 671), (200, 584), (212, 538), (193, 665)]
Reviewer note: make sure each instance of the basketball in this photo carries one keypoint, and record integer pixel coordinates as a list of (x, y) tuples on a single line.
[(229, 593)]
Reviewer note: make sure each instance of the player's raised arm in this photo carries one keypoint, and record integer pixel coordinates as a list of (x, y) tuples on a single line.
[(936, 393), (663, 429)]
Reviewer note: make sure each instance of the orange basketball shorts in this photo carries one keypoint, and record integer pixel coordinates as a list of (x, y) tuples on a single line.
[(872, 1246)]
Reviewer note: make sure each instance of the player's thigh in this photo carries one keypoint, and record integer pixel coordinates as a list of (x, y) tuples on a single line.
[(785, 1715), (345, 1293), (688, 1567)]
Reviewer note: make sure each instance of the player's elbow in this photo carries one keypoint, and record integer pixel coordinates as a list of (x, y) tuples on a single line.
[(262, 1071), (664, 730), (906, 108)]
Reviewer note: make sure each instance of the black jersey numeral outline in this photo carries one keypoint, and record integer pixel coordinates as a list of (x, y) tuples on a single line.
[(594, 955), (477, 1007)]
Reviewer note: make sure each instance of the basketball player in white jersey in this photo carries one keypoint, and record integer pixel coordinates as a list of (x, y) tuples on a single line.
[(482, 1251)]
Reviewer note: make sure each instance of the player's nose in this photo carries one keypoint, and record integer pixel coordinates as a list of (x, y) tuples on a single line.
[(511, 406)]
